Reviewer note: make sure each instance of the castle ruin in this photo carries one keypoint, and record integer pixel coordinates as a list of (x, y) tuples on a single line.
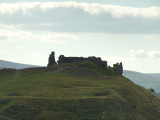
[(118, 67), (51, 60), (95, 60)]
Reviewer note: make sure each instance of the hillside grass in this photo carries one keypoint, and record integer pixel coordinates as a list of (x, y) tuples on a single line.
[(73, 92)]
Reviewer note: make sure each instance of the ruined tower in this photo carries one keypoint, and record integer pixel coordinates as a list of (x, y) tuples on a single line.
[(118, 68), (51, 60)]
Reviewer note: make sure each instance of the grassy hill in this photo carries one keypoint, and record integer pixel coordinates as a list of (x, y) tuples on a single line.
[(73, 92)]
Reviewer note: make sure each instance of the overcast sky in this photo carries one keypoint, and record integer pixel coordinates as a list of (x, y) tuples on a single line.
[(127, 31)]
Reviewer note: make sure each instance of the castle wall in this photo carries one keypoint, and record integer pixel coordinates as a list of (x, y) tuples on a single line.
[(95, 60), (118, 67)]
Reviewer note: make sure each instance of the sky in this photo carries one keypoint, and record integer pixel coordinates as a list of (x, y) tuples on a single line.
[(117, 31)]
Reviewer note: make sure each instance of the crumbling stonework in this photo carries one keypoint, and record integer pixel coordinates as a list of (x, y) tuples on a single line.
[(98, 61), (51, 60), (118, 68)]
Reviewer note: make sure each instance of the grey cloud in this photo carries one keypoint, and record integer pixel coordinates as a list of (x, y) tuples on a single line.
[(78, 17), (140, 27), (154, 54)]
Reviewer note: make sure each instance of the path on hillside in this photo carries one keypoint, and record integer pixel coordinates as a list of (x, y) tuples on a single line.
[(58, 70), (17, 72)]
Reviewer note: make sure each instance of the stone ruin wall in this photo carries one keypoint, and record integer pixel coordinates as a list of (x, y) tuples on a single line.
[(118, 67), (95, 60)]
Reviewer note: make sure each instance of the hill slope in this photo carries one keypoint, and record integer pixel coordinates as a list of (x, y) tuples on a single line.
[(73, 93), (8, 64), (145, 80)]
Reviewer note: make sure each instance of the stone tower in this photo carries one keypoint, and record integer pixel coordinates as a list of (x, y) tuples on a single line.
[(118, 68), (51, 60)]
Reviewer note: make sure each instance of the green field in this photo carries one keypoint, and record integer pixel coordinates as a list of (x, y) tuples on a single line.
[(73, 93)]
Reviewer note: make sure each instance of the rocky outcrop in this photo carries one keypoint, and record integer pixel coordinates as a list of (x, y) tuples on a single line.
[(51, 60)]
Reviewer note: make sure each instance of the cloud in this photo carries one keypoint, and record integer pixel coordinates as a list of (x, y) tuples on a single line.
[(29, 9), (58, 37), (138, 53), (13, 34), (153, 54), (80, 17)]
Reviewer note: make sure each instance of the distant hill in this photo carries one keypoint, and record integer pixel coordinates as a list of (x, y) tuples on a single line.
[(73, 92), (8, 64), (157, 75), (145, 80)]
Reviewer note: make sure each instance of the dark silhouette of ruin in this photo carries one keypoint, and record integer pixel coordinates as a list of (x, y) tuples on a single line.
[(118, 67), (51, 60), (95, 60)]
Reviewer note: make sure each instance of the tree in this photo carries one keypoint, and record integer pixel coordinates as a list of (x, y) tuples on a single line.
[(152, 90)]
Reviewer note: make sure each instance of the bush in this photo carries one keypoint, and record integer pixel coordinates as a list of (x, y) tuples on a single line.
[(152, 90)]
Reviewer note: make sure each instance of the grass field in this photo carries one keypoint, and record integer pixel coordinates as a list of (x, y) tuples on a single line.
[(73, 93)]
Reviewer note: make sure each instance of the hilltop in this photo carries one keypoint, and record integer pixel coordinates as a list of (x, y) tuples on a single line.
[(75, 91)]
